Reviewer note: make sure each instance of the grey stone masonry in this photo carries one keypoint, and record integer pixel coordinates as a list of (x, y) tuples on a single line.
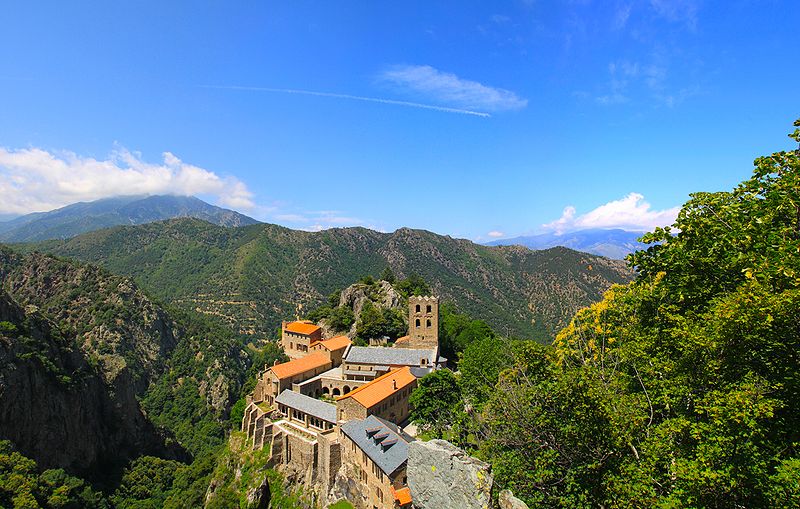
[(442, 476)]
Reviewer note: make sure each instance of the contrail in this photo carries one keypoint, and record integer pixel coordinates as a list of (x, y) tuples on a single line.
[(352, 97)]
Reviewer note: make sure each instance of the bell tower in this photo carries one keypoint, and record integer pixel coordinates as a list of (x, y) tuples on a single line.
[(423, 322)]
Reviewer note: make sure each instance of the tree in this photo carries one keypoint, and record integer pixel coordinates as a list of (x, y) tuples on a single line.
[(435, 401), (341, 318), (458, 330), (412, 285), (679, 389), (388, 276), (375, 323), (480, 366)]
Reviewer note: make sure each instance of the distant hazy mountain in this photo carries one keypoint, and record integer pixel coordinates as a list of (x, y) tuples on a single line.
[(610, 243), (84, 217)]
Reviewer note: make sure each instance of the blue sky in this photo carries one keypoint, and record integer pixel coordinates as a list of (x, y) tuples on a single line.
[(473, 119)]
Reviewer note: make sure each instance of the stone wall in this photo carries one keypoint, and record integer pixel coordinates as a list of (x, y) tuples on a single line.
[(423, 323), (373, 486), (349, 408), (257, 425), (329, 459)]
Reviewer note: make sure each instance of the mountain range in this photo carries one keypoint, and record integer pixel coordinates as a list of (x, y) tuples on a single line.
[(614, 243), (252, 277), (84, 217)]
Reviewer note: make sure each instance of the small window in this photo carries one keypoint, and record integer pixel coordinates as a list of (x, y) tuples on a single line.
[(428, 308), (427, 323), (418, 308), (417, 322)]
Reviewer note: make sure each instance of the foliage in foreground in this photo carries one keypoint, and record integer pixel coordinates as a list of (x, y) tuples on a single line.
[(681, 389), (23, 487)]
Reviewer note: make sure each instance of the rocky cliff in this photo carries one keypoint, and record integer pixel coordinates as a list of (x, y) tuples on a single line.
[(130, 373), (56, 407)]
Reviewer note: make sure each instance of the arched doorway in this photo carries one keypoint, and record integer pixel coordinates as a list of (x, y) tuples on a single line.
[(336, 392), (346, 389), (326, 391)]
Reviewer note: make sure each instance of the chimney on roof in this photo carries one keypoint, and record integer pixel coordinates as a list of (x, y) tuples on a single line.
[(394, 384)]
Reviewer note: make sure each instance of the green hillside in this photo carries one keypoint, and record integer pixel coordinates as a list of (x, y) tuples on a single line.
[(254, 276), (94, 373)]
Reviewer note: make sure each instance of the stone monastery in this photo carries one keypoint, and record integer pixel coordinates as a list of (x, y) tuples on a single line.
[(333, 416)]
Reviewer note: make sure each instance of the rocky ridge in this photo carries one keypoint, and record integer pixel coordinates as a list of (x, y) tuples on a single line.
[(265, 272)]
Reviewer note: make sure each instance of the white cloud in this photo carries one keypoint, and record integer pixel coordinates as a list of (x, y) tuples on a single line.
[(621, 15), (631, 79), (684, 11), (34, 179), (496, 234), (317, 220), (629, 213), (448, 88), (500, 19)]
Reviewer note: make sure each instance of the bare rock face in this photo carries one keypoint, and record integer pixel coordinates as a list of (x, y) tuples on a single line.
[(259, 498), (507, 500), (57, 410), (355, 296), (345, 487), (442, 476)]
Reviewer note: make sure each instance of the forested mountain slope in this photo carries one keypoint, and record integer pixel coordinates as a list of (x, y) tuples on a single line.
[(254, 276), (93, 373)]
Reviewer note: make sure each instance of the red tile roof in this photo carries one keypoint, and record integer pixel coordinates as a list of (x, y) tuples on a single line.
[(336, 343), (303, 328), (301, 365), (382, 387), (402, 496)]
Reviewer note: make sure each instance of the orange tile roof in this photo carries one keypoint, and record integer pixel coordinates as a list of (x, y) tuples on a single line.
[(404, 339), (403, 495), (301, 365), (381, 388), (336, 343), (302, 328)]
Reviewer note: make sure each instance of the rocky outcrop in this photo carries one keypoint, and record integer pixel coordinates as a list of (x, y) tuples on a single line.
[(113, 321), (442, 476), (259, 497), (57, 409), (507, 500), (381, 294), (345, 487)]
